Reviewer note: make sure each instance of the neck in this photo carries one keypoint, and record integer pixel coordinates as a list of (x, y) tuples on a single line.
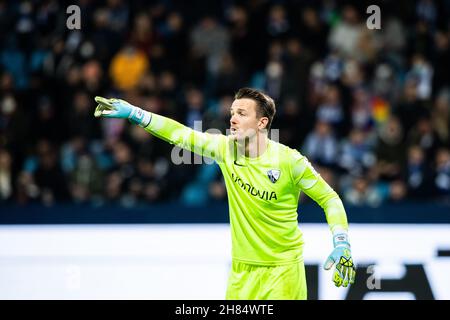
[(254, 146)]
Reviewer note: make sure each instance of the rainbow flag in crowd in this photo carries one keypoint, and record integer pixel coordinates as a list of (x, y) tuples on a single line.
[(380, 110)]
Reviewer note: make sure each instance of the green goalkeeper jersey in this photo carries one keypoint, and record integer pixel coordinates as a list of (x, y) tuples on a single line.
[(263, 193)]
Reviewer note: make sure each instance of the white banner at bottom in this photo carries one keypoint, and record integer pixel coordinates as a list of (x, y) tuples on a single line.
[(191, 261)]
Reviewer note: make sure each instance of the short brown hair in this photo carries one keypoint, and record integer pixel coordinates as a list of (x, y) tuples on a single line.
[(266, 105)]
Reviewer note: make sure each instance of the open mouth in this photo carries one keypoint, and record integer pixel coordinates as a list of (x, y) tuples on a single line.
[(233, 130)]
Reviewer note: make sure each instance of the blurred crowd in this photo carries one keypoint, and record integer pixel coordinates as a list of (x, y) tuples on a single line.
[(369, 108)]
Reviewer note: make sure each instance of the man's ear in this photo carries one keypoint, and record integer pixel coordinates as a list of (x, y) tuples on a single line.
[(263, 122)]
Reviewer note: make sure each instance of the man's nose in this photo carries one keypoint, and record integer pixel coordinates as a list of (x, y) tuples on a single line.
[(233, 120)]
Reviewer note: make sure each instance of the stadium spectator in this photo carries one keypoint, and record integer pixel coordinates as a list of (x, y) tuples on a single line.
[(442, 174), (174, 39), (287, 122), (127, 67), (78, 118), (390, 151), (440, 117), (410, 108), (194, 106), (49, 176), (86, 180), (356, 155), (6, 176), (425, 136), (217, 117), (363, 192), (441, 62), (241, 47), (312, 31), (321, 145), (330, 110), (346, 35), (211, 40), (296, 64), (228, 78), (418, 174), (397, 191)]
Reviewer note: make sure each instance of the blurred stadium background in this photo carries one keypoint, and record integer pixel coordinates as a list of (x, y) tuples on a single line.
[(96, 208)]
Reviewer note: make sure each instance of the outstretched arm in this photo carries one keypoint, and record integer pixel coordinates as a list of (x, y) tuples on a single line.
[(315, 187), (205, 144)]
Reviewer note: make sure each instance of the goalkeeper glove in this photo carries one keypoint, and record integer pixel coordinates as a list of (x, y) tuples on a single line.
[(344, 272), (118, 108)]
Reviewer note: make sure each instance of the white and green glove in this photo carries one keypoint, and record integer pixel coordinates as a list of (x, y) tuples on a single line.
[(118, 108), (345, 271)]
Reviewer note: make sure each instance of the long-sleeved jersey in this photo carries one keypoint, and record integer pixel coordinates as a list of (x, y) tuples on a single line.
[(263, 193)]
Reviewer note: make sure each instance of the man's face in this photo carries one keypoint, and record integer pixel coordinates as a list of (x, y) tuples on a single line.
[(244, 121)]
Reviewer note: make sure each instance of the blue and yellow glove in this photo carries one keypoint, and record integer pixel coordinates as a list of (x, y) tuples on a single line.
[(118, 108), (345, 271)]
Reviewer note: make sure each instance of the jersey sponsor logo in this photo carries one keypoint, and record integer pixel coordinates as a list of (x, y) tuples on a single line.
[(264, 195), (274, 175)]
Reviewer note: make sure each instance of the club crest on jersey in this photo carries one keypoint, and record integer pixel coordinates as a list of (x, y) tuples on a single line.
[(274, 175)]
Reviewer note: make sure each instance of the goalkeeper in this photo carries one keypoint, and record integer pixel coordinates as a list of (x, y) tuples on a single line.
[(264, 180)]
